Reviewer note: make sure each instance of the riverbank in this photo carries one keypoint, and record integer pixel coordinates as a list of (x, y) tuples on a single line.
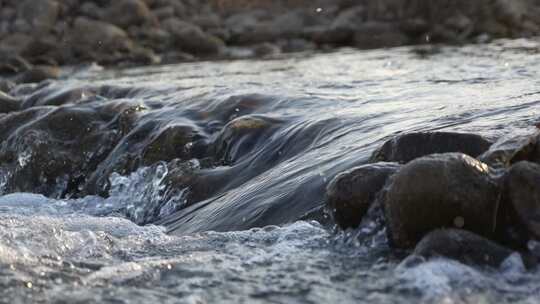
[(38, 36)]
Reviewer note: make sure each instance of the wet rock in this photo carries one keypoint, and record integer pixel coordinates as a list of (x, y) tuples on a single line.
[(177, 141), (40, 14), (91, 36), (351, 193), (407, 147), (266, 49), (10, 64), (6, 85), (51, 151), (506, 151), (38, 74), (125, 13), (8, 103), (463, 246), (191, 38), (240, 135), (523, 192), (437, 191)]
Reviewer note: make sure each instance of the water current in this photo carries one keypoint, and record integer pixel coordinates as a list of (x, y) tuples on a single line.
[(252, 228)]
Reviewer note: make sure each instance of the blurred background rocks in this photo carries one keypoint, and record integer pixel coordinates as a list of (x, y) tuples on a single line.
[(137, 32)]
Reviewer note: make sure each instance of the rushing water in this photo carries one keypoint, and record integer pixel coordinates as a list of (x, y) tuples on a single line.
[(251, 237)]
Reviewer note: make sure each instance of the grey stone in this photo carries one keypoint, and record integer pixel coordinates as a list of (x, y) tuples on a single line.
[(438, 191)]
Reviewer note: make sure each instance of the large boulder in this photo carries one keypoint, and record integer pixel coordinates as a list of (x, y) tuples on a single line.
[(523, 181), (351, 193), (437, 191), (463, 246), (407, 147)]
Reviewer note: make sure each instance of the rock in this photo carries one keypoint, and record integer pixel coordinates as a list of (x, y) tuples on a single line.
[(438, 191), (13, 44), (326, 35), (40, 14), (463, 246), (125, 13), (90, 36), (523, 181), (174, 142), (164, 12), (52, 150), (379, 34), (13, 64), (238, 137), (90, 9), (266, 50), (6, 85), (506, 151), (350, 19), (351, 193), (8, 103), (407, 147), (38, 74), (190, 38)]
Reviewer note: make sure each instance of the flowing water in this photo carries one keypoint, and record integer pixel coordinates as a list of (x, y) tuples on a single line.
[(245, 231)]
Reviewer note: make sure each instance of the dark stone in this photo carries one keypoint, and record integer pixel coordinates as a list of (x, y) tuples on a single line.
[(91, 36), (51, 150), (351, 193), (463, 246), (523, 186), (13, 64), (8, 103), (38, 74), (40, 14), (180, 141), (407, 147), (125, 13), (192, 39), (6, 85), (506, 151), (437, 191), (379, 34)]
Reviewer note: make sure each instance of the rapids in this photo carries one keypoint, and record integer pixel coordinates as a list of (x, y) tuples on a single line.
[(250, 225)]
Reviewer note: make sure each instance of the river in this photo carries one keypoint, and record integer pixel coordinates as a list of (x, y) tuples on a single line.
[(245, 230)]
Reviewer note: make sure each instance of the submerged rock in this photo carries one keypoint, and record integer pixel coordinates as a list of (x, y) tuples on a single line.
[(407, 147), (463, 246), (351, 193), (437, 191), (8, 103), (523, 191)]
